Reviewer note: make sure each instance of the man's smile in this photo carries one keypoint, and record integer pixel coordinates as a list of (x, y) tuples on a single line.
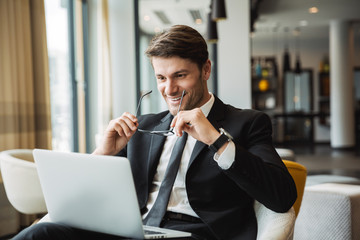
[(174, 100)]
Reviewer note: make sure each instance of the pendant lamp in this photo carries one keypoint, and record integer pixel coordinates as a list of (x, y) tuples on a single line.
[(212, 35), (298, 65), (286, 61), (218, 12)]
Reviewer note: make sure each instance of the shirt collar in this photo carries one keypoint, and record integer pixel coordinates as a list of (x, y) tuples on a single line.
[(208, 105)]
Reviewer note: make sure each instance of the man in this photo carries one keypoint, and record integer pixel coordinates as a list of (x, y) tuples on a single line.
[(228, 159)]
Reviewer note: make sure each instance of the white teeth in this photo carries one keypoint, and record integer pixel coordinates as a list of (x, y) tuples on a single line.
[(175, 99)]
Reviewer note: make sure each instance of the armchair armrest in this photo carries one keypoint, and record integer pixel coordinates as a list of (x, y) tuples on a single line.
[(273, 225)]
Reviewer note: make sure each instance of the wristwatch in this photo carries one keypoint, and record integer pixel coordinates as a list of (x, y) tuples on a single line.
[(224, 137)]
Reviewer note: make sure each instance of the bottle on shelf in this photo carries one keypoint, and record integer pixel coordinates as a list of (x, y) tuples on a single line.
[(258, 70), (264, 69)]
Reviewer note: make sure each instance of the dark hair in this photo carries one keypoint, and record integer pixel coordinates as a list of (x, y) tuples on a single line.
[(179, 41)]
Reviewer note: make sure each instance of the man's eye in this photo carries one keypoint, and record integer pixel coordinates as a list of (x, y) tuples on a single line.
[(181, 75), (161, 78)]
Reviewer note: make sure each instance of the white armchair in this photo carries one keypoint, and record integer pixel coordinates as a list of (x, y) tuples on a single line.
[(273, 225), (21, 181)]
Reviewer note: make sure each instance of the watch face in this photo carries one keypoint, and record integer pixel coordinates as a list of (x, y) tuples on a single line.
[(223, 131)]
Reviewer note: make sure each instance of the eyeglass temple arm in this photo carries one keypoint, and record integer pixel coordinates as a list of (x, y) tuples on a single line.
[(182, 96), (140, 100)]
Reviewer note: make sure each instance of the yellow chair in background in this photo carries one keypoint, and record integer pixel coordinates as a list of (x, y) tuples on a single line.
[(299, 173)]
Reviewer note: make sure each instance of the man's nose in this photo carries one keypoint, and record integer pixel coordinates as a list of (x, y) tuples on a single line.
[(171, 88)]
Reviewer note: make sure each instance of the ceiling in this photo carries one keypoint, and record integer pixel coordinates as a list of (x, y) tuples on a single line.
[(292, 16), (275, 16), (156, 15)]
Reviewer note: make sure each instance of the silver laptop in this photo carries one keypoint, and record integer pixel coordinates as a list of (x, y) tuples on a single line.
[(94, 192)]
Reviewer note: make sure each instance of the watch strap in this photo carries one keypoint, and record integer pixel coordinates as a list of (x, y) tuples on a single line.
[(219, 142)]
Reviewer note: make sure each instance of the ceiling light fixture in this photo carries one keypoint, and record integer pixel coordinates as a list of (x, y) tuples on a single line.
[(313, 10), (196, 16), (163, 17), (147, 18)]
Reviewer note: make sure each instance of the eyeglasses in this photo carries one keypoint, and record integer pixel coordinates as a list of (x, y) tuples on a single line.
[(165, 133)]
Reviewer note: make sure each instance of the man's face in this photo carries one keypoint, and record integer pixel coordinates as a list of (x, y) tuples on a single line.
[(176, 74)]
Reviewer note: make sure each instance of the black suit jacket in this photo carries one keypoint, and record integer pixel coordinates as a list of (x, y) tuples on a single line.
[(223, 199)]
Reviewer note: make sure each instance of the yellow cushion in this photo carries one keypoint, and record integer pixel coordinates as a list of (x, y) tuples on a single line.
[(298, 172)]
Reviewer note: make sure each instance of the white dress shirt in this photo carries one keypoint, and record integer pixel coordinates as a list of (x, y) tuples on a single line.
[(178, 201)]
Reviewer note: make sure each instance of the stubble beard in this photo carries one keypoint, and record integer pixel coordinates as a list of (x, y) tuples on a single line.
[(194, 98)]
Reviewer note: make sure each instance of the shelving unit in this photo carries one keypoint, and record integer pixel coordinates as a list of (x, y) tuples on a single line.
[(264, 83)]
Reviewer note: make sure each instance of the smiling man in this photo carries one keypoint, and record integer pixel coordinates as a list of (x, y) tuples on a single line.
[(226, 162)]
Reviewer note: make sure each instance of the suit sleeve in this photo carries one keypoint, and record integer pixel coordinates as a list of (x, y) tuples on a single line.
[(258, 169)]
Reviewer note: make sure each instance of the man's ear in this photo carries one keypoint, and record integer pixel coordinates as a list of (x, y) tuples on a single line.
[(207, 70)]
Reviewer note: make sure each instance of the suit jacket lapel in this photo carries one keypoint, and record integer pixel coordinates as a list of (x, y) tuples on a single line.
[(215, 116), (156, 145)]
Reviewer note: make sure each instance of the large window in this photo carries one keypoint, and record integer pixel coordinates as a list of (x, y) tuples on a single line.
[(66, 26), (61, 90)]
